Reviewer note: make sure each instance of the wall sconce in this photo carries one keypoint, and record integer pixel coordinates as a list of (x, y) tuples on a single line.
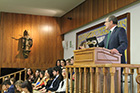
[(70, 18)]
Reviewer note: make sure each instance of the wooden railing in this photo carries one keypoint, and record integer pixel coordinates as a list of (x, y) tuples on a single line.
[(2, 78), (101, 78)]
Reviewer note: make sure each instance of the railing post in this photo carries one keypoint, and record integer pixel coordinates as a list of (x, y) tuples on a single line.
[(105, 80), (20, 76), (112, 72), (132, 83), (97, 80), (67, 83), (80, 80), (71, 82), (85, 80), (75, 80), (126, 71), (91, 80), (25, 75)]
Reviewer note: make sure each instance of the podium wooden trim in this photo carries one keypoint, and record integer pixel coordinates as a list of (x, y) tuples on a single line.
[(95, 55)]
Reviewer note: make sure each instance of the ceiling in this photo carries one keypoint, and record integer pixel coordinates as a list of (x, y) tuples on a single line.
[(55, 8)]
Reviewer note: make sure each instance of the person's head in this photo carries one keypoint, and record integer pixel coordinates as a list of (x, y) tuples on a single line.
[(64, 73), (29, 71), (7, 83), (82, 45), (27, 87), (18, 85), (68, 62), (63, 62), (41, 74), (12, 80), (72, 60), (110, 22), (58, 63), (56, 71), (49, 73), (37, 72)]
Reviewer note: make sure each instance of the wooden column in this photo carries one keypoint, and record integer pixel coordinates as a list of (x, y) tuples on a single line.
[(67, 83), (20, 76), (126, 72), (91, 80), (97, 89), (85, 80), (80, 80), (105, 80), (70, 80), (112, 72), (75, 80), (132, 73)]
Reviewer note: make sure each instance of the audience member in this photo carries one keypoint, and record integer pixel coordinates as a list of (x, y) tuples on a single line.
[(68, 62), (36, 75), (7, 86), (62, 85), (57, 72), (72, 60), (18, 86), (27, 87), (29, 75), (63, 63), (58, 62), (50, 78)]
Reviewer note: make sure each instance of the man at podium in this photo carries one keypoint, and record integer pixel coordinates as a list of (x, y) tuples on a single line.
[(116, 39)]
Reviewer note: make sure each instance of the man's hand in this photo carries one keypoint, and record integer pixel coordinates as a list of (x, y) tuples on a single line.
[(114, 51)]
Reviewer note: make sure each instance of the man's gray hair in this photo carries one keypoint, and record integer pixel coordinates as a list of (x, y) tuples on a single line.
[(113, 18)]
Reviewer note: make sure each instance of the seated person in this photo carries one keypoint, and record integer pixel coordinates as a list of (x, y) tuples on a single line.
[(18, 86), (62, 85), (57, 72), (40, 79), (36, 75), (7, 86), (43, 82), (49, 74), (27, 87)]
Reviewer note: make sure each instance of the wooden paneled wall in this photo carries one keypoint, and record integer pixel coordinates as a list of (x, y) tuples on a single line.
[(47, 40), (89, 11)]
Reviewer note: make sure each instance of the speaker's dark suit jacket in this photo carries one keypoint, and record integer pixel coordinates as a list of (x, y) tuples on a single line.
[(118, 40)]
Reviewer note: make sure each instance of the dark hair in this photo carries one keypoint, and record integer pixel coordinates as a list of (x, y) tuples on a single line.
[(59, 62), (50, 72), (68, 60), (30, 70), (27, 84), (37, 70), (42, 72), (27, 74), (113, 18), (72, 57), (63, 61), (6, 82), (58, 69)]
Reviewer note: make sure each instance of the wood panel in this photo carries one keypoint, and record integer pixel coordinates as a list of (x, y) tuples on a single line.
[(45, 32), (91, 10)]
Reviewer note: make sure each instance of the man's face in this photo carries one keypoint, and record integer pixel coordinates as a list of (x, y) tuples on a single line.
[(54, 73), (107, 24)]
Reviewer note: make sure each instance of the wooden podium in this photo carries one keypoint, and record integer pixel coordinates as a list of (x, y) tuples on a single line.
[(95, 55)]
